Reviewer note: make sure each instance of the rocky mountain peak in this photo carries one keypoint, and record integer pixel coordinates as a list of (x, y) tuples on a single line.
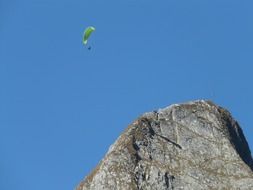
[(195, 145)]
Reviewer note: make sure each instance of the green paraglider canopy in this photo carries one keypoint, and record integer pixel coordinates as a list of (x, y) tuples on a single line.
[(87, 34)]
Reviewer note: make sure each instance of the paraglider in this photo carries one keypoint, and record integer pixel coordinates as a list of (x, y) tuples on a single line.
[(87, 34)]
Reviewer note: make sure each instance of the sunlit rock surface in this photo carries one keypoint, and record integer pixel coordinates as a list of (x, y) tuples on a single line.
[(191, 146)]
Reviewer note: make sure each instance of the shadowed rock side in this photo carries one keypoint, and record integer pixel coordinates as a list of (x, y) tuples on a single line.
[(196, 145)]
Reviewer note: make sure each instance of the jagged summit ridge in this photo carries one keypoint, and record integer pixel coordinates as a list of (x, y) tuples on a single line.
[(195, 145)]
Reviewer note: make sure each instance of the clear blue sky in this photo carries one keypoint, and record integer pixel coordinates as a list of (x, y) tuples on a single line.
[(61, 105)]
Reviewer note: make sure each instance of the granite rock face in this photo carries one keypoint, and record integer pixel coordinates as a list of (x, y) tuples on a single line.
[(191, 146)]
